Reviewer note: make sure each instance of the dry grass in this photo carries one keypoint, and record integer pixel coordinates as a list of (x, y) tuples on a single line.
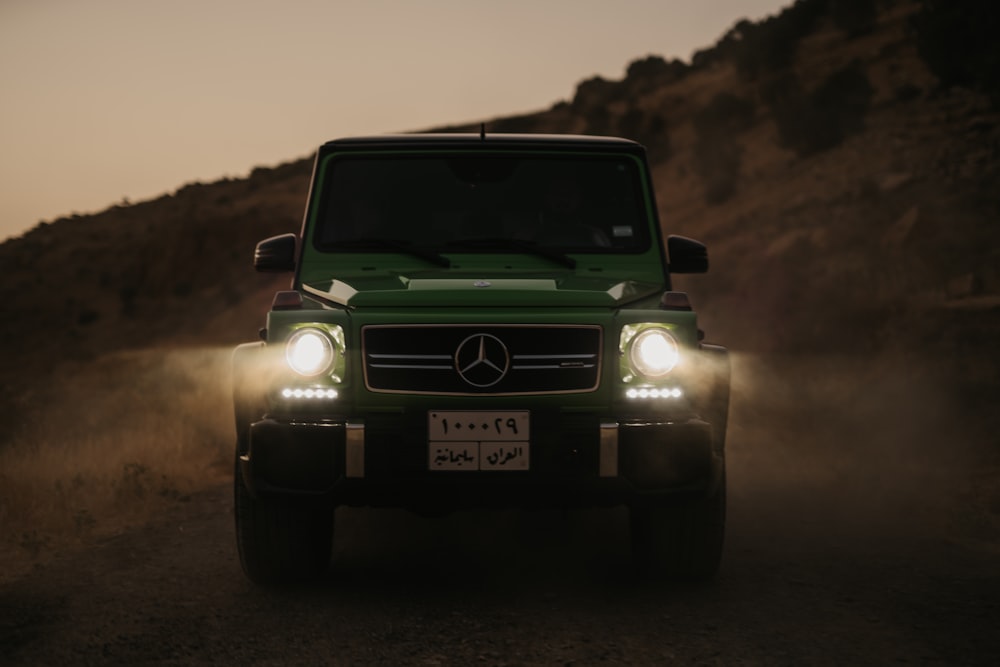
[(117, 440)]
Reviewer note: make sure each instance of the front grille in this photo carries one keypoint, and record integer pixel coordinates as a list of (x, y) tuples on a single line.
[(490, 360)]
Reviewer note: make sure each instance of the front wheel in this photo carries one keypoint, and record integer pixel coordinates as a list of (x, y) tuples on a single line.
[(281, 540), (682, 540)]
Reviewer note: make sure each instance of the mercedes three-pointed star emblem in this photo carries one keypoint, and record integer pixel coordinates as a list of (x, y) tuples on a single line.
[(482, 360)]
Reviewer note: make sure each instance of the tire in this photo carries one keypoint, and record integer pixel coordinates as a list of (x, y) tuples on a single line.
[(281, 540), (682, 541)]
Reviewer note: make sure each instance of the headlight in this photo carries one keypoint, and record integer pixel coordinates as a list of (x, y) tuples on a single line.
[(654, 353), (309, 352)]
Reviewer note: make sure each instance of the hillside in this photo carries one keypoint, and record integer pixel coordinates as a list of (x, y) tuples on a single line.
[(849, 170), (849, 201)]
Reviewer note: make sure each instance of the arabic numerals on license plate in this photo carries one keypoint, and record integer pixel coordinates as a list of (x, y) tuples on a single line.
[(483, 427), (479, 426)]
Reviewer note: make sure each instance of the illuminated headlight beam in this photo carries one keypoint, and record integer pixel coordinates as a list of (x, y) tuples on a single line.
[(654, 353), (310, 352)]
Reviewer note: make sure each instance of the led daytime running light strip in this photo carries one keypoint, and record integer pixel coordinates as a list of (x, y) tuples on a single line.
[(309, 393), (666, 392)]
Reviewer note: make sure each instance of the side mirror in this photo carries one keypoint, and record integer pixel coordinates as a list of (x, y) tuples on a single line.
[(276, 253), (686, 255)]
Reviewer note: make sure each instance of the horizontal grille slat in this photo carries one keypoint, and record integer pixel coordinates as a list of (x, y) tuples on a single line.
[(487, 359)]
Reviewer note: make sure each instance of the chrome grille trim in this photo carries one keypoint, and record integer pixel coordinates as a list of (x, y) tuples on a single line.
[(424, 359), (416, 359)]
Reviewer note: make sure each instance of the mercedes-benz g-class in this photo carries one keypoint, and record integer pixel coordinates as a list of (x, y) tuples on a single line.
[(477, 321)]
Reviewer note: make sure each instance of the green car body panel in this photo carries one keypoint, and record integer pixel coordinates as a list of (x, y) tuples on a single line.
[(514, 286)]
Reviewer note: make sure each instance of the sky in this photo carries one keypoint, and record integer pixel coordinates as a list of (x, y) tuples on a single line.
[(105, 101)]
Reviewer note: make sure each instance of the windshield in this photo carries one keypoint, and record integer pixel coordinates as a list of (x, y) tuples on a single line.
[(482, 203)]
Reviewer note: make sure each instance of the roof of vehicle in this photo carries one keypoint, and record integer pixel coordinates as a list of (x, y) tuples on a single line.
[(484, 140)]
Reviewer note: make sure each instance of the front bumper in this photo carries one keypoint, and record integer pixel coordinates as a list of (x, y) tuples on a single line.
[(575, 461)]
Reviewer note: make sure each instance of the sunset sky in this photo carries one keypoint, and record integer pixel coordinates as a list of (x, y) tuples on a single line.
[(108, 100)]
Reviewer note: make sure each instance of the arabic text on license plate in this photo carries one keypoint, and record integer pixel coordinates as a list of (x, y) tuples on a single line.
[(476, 440), (479, 456)]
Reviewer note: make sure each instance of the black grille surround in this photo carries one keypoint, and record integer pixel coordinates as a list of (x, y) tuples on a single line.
[(488, 360)]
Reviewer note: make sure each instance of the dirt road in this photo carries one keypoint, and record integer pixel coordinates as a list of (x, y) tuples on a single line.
[(832, 558)]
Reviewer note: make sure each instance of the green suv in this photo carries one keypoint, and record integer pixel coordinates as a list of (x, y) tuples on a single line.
[(480, 321)]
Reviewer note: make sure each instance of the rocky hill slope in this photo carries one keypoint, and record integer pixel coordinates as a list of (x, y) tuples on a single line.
[(847, 199)]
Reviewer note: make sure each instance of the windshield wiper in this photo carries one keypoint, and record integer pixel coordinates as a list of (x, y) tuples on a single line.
[(405, 247), (529, 247)]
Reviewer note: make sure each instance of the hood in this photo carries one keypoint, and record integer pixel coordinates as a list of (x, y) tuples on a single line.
[(401, 291)]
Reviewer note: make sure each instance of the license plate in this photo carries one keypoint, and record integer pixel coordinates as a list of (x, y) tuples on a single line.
[(477, 440)]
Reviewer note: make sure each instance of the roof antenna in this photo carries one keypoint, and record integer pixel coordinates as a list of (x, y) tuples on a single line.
[(482, 131)]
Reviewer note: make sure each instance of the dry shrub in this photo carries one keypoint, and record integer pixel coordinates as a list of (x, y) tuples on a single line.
[(113, 442), (957, 39), (816, 121)]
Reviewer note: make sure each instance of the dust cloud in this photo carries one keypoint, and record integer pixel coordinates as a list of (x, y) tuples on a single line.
[(836, 449), (855, 447), (835, 455), (109, 443)]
